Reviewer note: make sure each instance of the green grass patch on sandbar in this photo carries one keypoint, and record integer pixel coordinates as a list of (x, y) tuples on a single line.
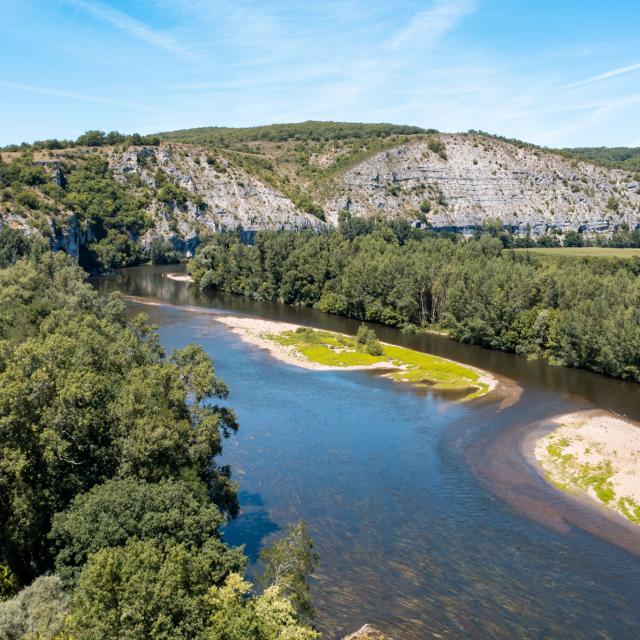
[(406, 365), (576, 476)]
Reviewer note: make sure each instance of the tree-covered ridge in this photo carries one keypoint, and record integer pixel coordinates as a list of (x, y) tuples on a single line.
[(614, 157), (311, 130), (582, 313), (110, 215), (111, 495)]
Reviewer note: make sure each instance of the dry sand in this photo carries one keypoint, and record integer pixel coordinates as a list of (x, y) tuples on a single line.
[(179, 277), (255, 330), (593, 438)]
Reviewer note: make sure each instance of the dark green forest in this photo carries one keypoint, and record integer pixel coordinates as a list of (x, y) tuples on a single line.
[(111, 497), (579, 313)]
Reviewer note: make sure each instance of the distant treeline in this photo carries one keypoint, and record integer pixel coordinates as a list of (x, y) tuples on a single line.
[(613, 157), (581, 313), (622, 238), (93, 138), (311, 130)]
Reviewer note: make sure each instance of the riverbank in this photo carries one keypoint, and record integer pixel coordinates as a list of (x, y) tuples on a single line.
[(326, 351), (596, 454)]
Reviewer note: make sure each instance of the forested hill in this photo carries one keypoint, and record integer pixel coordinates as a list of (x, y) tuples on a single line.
[(111, 199)]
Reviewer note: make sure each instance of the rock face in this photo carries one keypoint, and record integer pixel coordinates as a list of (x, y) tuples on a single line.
[(224, 197), (367, 632), (470, 178), (451, 182)]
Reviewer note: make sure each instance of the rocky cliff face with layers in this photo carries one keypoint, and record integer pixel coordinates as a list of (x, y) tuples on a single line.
[(222, 196), (460, 181), (454, 182)]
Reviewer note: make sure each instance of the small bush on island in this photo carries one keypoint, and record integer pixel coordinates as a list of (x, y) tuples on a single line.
[(367, 340)]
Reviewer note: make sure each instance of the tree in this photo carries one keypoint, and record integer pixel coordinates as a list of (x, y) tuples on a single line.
[(92, 138), (287, 563), (573, 239), (235, 615), (367, 340), (13, 246), (167, 513), (36, 613), (141, 591), (86, 396)]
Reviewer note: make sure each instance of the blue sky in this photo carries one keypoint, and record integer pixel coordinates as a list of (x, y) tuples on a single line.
[(557, 73)]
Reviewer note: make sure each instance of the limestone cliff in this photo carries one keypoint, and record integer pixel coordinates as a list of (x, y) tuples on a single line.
[(185, 191), (225, 197), (461, 180)]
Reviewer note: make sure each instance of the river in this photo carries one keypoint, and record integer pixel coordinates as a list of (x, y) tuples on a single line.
[(427, 514)]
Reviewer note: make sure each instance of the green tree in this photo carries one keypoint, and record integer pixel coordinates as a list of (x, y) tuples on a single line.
[(36, 613), (167, 513), (92, 138), (86, 396), (141, 591), (287, 564), (236, 615)]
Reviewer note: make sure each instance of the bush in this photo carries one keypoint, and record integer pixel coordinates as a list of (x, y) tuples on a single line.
[(366, 340), (37, 612)]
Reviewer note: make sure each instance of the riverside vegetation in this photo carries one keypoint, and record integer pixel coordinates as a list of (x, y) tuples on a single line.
[(578, 313), (111, 497), (336, 350)]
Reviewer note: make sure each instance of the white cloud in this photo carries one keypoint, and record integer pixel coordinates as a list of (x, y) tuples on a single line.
[(134, 27), (603, 76), (429, 26), (75, 96)]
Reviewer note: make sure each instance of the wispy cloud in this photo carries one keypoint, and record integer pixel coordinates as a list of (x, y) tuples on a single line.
[(134, 28), (75, 96), (604, 76), (429, 26)]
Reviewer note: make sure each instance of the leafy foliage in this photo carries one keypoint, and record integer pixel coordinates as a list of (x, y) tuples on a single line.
[(287, 563), (301, 131), (108, 475), (167, 513), (613, 157), (36, 613), (580, 314), (84, 397)]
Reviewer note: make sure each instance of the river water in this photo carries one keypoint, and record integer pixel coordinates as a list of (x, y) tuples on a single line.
[(428, 516)]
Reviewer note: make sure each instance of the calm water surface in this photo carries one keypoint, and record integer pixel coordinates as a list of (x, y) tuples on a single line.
[(428, 519)]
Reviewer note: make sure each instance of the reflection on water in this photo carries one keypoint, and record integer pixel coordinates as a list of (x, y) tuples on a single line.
[(426, 517)]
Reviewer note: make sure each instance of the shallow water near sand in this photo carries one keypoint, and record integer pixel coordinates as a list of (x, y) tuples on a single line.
[(426, 514)]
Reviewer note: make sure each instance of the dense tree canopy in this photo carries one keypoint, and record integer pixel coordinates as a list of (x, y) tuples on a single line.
[(108, 476), (581, 313)]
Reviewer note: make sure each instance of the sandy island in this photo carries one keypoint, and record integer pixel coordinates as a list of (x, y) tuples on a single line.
[(256, 331), (264, 333), (179, 277), (596, 454)]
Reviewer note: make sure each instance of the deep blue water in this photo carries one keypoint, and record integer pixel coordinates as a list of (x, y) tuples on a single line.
[(426, 518)]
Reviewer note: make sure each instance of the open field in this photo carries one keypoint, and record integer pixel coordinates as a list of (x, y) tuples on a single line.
[(583, 252)]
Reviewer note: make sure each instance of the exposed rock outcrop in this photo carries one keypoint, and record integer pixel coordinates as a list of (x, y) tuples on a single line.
[(449, 181), (471, 178), (224, 197), (367, 632)]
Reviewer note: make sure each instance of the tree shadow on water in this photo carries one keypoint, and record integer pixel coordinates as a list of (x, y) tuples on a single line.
[(251, 527)]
